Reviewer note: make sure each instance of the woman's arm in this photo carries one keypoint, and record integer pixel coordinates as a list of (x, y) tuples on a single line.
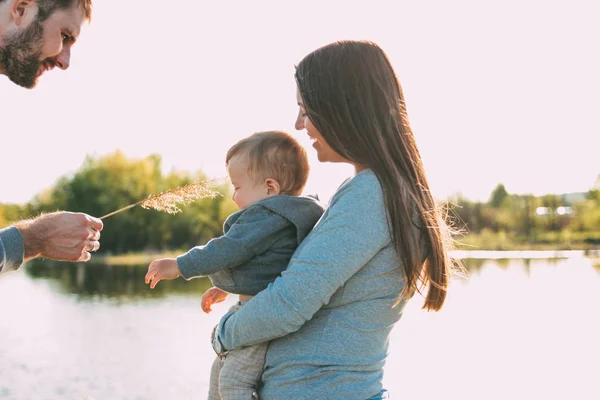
[(353, 230)]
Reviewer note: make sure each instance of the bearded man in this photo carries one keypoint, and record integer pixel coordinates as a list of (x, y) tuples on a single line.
[(35, 37)]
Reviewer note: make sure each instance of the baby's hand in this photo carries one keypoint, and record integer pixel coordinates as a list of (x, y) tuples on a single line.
[(165, 268), (212, 296)]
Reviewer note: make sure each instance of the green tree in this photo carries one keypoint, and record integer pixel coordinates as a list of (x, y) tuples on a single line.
[(498, 195), (108, 183)]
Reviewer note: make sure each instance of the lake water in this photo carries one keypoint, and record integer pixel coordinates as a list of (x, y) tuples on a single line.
[(516, 329)]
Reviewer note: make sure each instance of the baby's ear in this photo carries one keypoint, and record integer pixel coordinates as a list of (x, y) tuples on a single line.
[(272, 187)]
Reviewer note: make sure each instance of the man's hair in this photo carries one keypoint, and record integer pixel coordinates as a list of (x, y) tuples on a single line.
[(276, 155), (48, 7)]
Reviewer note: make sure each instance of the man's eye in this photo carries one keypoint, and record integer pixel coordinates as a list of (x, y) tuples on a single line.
[(65, 37)]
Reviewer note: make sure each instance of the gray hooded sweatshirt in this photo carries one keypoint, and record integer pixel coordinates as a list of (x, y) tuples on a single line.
[(11, 249), (257, 244)]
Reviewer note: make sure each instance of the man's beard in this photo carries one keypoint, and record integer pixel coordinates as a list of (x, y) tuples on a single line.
[(20, 55)]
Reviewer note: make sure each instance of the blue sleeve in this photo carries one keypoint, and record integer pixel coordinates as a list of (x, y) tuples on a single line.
[(11, 249), (353, 230), (251, 234)]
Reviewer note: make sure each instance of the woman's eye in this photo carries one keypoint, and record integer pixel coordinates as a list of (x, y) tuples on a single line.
[(65, 37)]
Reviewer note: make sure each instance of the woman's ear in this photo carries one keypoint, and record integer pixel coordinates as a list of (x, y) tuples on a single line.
[(23, 11), (272, 187)]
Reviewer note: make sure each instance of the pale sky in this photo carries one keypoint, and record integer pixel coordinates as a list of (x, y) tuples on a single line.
[(496, 92)]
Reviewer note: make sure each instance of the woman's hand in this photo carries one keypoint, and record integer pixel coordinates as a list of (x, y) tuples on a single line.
[(165, 268), (212, 296)]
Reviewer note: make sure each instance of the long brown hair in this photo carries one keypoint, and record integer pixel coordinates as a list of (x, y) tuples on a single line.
[(352, 96)]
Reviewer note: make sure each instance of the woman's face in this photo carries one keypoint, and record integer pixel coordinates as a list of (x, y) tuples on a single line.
[(324, 152)]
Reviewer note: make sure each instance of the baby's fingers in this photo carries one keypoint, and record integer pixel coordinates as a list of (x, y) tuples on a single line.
[(150, 273), (155, 281), (205, 304)]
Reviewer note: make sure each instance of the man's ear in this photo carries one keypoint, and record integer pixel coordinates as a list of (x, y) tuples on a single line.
[(23, 11), (272, 187)]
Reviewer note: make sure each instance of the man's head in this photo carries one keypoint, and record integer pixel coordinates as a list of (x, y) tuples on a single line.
[(37, 35), (266, 164)]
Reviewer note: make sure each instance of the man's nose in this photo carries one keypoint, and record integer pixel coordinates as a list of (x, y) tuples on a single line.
[(63, 60)]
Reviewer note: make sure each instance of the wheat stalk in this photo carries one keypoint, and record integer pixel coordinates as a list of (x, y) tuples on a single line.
[(168, 200)]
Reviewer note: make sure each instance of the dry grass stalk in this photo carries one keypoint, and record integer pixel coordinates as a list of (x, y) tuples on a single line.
[(169, 200)]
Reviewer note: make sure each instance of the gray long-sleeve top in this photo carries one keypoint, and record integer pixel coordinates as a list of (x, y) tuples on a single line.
[(331, 312), (257, 244), (11, 249)]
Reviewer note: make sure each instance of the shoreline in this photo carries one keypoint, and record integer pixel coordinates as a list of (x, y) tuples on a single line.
[(136, 259)]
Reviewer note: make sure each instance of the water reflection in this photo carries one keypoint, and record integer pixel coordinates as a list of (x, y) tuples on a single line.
[(475, 266), (516, 328), (100, 280), (88, 280)]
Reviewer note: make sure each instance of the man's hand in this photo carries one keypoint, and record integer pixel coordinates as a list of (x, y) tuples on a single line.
[(165, 268), (212, 296), (61, 236)]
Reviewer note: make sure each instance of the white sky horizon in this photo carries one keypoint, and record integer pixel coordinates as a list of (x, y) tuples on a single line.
[(495, 93)]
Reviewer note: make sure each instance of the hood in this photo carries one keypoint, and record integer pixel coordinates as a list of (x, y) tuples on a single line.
[(302, 211)]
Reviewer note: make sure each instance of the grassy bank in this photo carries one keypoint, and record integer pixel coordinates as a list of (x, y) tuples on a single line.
[(489, 240), (496, 241), (131, 259)]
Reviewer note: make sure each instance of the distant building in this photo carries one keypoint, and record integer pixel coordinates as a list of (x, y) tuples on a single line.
[(547, 211), (541, 211)]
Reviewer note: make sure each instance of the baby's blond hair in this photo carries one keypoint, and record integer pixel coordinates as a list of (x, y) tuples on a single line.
[(276, 155)]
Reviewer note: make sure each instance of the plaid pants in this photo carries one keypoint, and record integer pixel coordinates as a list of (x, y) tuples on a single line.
[(236, 377)]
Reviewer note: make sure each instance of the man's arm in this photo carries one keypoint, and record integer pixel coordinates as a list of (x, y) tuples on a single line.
[(11, 249), (253, 233), (61, 236)]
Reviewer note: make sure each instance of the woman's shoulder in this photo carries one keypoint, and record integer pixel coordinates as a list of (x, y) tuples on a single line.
[(365, 182), (364, 187), (358, 208)]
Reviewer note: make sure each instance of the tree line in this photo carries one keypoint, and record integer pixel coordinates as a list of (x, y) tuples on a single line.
[(107, 183), (508, 220)]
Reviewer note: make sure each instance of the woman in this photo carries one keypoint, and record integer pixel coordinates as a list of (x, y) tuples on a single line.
[(380, 240)]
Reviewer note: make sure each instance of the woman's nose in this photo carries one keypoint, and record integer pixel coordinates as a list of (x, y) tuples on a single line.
[(299, 122)]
